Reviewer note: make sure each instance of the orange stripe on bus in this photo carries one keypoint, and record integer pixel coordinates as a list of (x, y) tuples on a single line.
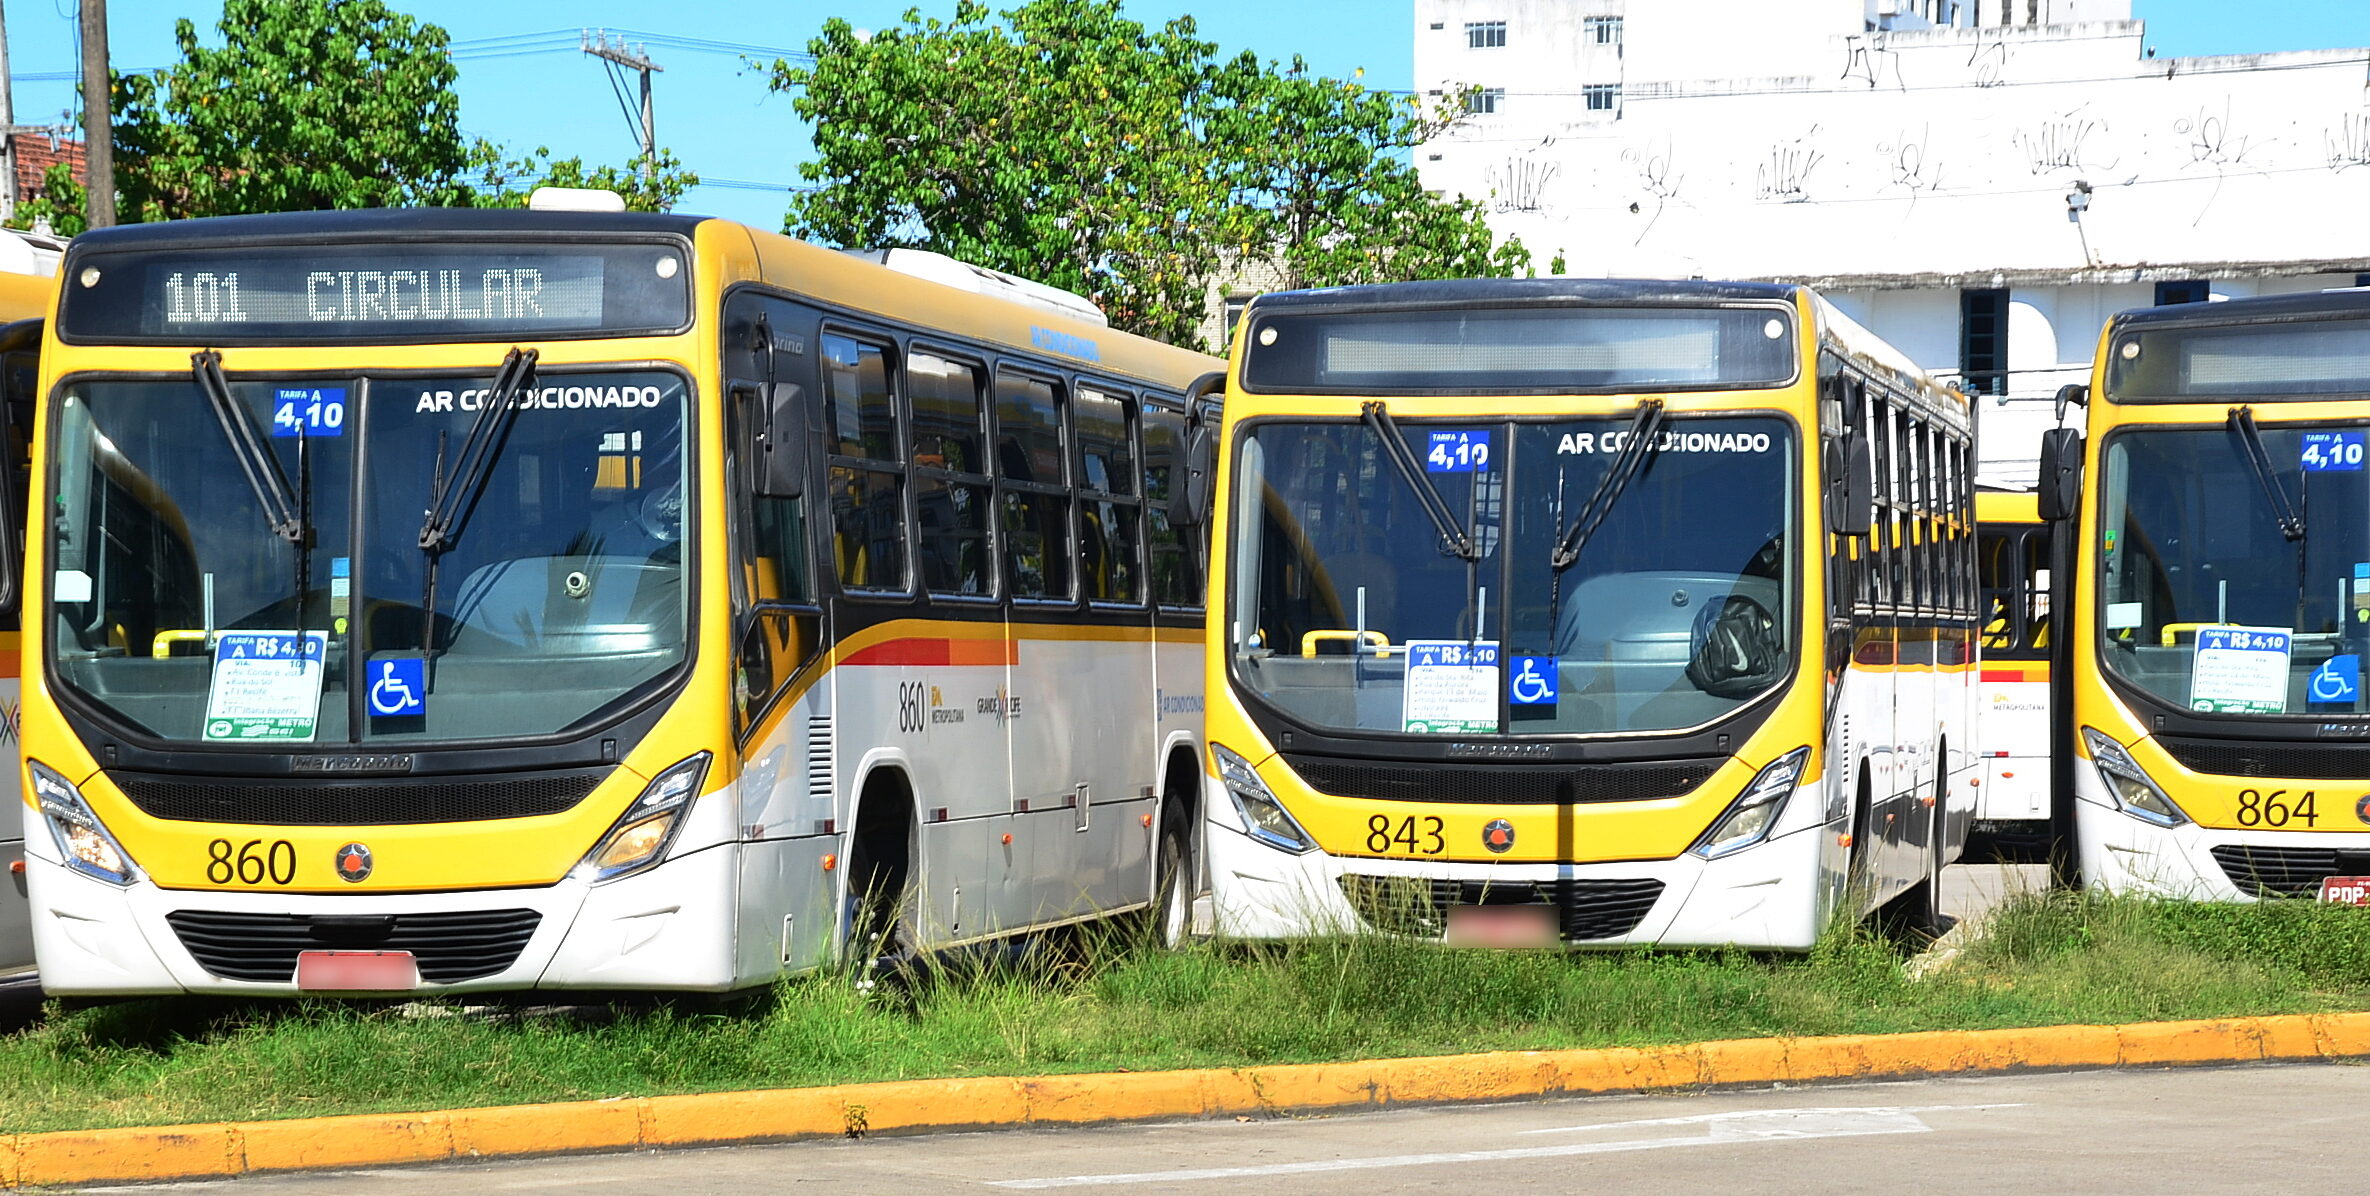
[(920, 650)]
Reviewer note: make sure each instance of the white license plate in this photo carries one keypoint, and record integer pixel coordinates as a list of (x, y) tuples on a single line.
[(1502, 926), (356, 971)]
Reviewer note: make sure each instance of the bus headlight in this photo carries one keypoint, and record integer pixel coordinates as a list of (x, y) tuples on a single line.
[(82, 839), (1756, 810), (1263, 816), (2134, 791), (640, 836)]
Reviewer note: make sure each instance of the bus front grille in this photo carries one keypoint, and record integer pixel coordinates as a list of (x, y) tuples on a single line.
[(450, 947), (2287, 871), (1585, 909), (2252, 758), (354, 803), (1510, 784)]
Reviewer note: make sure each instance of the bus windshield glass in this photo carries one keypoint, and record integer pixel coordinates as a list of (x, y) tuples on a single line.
[(2292, 359), (564, 597), (1519, 350), (2205, 602), (1348, 615)]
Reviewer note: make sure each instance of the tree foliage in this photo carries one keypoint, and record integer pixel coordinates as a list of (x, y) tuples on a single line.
[(508, 184), (307, 104), (1061, 141)]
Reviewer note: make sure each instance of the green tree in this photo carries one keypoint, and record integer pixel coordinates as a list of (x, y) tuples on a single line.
[(1320, 174), (307, 104), (1063, 142), (509, 183), (1056, 146)]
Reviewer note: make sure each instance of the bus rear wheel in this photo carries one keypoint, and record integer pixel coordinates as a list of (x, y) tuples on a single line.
[(1172, 897)]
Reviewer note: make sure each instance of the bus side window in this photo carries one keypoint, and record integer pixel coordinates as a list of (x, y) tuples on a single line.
[(1036, 492), (778, 627), (1175, 562), (952, 487), (867, 474), (1109, 524)]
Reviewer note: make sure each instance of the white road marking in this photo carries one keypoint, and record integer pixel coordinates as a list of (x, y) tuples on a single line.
[(1709, 1118), (1722, 1129)]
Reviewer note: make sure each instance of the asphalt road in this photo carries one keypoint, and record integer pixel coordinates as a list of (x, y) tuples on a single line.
[(2198, 1130)]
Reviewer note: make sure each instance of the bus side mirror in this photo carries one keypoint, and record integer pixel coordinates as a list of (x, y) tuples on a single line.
[(779, 467), (1192, 505), (1851, 499), (2072, 394), (2060, 492)]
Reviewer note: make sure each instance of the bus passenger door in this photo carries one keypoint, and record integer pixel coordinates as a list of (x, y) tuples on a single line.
[(20, 345), (775, 638)]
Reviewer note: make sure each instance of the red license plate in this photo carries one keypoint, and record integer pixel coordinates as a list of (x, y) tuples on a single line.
[(2346, 890), (357, 971), (1502, 926)]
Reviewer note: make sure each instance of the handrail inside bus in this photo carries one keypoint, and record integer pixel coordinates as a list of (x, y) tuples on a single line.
[(1375, 639)]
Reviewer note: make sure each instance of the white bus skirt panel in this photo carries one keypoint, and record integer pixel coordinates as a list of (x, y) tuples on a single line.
[(1764, 896)]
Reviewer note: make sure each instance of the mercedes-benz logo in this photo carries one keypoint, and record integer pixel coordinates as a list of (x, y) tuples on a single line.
[(1498, 836), (353, 863)]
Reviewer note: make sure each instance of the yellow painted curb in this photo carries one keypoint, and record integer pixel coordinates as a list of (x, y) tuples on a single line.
[(240, 1148)]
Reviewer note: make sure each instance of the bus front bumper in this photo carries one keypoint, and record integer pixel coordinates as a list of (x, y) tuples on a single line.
[(1765, 896), (667, 928), (2123, 854)]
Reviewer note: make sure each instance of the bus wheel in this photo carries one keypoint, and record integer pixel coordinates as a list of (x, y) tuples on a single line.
[(1172, 895)]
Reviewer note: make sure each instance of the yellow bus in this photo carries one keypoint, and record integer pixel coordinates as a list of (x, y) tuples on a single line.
[(24, 301), (435, 601), (2220, 599), (1584, 612), (2012, 796)]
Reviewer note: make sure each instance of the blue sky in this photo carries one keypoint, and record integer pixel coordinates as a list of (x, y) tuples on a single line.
[(716, 114)]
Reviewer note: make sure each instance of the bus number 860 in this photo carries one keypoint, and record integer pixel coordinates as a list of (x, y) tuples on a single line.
[(249, 866)]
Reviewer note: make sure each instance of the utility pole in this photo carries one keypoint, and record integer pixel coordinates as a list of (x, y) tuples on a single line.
[(599, 44), (98, 127)]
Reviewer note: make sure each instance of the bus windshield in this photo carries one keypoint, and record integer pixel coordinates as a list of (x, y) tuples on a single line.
[(564, 596), (1347, 614), (2191, 553)]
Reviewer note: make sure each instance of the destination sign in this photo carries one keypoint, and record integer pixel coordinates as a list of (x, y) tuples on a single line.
[(374, 293)]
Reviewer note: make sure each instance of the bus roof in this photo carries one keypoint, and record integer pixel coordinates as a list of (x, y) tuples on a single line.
[(1447, 292), (375, 222), (2266, 308)]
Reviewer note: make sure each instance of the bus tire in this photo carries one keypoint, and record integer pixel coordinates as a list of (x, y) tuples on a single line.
[(1173, 871)]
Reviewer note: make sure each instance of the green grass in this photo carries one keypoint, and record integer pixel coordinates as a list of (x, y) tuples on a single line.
[(2048, 959)]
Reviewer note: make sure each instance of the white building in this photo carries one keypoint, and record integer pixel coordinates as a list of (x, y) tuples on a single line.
[(1982, 182)]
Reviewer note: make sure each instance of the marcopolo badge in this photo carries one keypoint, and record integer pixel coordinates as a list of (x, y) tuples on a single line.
[(1498, 836), (353, 863)]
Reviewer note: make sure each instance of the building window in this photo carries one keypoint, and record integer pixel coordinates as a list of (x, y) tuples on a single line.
[(1602, 97), (2187, 290), (1604, 31), (1485, 35), (1484, 101), (1983, 340), (1234, 315)]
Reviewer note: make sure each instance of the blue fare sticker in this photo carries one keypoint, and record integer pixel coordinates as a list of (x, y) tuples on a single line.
[(1457, 452), (398, 686), (1532, 683), (2331, 451), (2339, 679), (309, 411)]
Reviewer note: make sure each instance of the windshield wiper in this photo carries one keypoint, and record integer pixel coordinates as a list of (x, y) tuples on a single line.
[(2283, 509), (1643, 428), (247, 448), (1453, 538), (452, 497)]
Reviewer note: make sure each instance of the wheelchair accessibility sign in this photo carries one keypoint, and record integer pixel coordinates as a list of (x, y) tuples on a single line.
[(1532, 683), (2339, 679), (398, 687)]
